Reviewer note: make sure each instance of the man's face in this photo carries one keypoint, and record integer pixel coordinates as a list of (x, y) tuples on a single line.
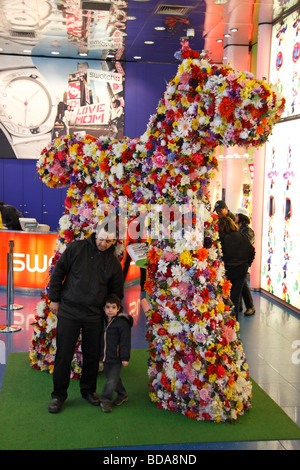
[(223, 212), (105, 240)]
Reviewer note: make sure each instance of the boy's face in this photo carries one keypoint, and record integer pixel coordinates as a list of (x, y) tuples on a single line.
[(111, 310)]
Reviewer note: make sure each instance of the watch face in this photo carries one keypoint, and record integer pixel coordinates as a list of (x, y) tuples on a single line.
[(27, 105), (25, 14)]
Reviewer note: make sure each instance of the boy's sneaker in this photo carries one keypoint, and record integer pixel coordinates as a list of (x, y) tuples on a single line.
[(119, 400), (106, 408), (249, 311)]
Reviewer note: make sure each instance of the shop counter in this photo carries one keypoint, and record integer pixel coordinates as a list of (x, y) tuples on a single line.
[(33, 252)]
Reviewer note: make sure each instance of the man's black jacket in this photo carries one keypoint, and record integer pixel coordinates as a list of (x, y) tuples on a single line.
[(82, 278)]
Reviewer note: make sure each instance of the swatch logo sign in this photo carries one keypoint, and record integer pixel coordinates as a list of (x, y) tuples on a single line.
[(31, 262)]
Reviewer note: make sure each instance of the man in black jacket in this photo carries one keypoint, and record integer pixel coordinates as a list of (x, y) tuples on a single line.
[(84, 275)]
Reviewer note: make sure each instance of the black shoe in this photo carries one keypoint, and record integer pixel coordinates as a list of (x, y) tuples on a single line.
[(92, 398), (55, 405)]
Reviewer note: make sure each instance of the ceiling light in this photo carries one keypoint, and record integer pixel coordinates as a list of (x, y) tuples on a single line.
[(234, 30), (137, 57), (83, 54), (220, 2), (130, 18), (27, 50), (149, 42), (159, 28), (54, 53), (227, 35), (219, 40)]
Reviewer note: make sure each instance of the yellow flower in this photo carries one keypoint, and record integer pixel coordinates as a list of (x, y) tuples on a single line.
[(33, 357), (217, 419), (202, 307), (239, 406), (173, 147), (197, 365), (195, 124), (211, 359), (185, 102), (153, 397), (186, 258), (173, 386), (220, 307), (161, 110), (212, 377)]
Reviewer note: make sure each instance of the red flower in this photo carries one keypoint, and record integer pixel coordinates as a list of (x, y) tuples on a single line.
[(126, 190), (226, 107)]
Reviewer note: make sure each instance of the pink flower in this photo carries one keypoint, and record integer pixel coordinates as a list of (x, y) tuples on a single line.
[(159, 160), (57, 169), (170, 256), (183, 288), (228, 334), (204, 395)]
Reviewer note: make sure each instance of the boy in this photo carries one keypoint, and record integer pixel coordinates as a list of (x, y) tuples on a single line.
[(115, 351)]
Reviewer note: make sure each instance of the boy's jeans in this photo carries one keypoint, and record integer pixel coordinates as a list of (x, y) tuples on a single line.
[(113, 382)]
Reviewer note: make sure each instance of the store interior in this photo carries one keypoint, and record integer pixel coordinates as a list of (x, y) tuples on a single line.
[(140, 40)]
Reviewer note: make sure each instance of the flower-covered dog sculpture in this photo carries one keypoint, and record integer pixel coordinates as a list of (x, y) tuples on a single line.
[(197, 366)]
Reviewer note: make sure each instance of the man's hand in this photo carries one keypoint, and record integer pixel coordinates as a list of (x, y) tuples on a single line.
[(54, 306), (125, 363)]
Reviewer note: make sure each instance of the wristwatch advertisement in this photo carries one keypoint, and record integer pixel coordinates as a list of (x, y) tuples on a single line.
[(27, 110)]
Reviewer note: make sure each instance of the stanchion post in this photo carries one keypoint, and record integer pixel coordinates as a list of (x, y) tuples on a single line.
[(12, 304), (9, 328)]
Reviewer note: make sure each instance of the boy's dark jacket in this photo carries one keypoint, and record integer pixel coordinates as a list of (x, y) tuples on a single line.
[(116, 338), (82, 278)]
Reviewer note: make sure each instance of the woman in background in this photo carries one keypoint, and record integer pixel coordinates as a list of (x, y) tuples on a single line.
[(238, 255)]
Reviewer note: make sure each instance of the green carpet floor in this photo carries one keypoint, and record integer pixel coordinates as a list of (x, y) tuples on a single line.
[(27, 425)]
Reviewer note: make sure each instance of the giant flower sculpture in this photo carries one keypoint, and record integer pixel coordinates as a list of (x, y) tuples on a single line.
[(197, 365)]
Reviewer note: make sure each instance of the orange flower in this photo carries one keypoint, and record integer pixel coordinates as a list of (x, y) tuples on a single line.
[(153, 256), (231, 381), (226, 287), (201, 254), (148, 286), (213, 274)]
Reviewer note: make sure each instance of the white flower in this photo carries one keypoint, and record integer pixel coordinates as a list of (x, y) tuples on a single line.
[(118, 170), (65, 222), (185, 180), (174, 327), (40, 308), (244, 134), (51, 323), (179, 273), (162, 266)]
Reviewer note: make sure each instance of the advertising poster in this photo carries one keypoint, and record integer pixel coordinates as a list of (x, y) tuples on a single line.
[(285, 61), (280, 274), (42, 98)]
